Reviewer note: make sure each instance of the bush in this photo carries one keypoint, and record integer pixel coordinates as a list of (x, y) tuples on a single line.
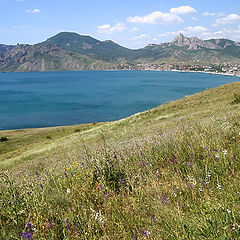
[(3, 139), (236, 99)]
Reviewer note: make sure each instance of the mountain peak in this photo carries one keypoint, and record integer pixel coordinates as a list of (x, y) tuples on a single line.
[(180, 40)]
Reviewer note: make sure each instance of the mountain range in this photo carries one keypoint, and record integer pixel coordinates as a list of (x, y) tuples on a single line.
[(71, 51)]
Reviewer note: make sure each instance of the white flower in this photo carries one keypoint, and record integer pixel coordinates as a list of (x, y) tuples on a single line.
[(217, 155), (219, 186), (209, 174), (68, 191), (225, 152), (228, 210), (98, 217), (22, 211)]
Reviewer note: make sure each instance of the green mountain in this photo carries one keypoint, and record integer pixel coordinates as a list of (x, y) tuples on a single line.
[(71, 51), (105, 50)]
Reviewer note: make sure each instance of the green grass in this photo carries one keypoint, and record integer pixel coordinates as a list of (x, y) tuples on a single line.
[(168, 173)]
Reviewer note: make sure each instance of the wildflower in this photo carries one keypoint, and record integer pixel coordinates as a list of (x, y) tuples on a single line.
[(228, 211), (68, 191), (153, 219), (50, 224), (68, 227), (26, 235), (101, 186), (99, 217), (135, 237), (174, 194), (188, 164), (217, 155), (121, 181), (225, 152), (21, 212), (29, 225), (219, 187), (164, 199), (143, 163), (145, 233)]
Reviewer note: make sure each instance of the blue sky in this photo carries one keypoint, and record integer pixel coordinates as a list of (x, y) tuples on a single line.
[(131, 23)]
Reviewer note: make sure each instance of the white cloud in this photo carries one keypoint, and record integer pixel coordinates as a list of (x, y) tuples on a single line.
[(108, 29), (229, 19), (194, 18), (142, 36), (104, 27), (36, 10), (183, 10), (156, 17), (195, 29), (166, 34), (209, 14), (134, 29)]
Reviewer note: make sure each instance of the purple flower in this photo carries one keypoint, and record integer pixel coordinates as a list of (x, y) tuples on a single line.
[(190, 185), (153, 219), (143, 164), (122, 181), (50, 224), (26, 235), (101, 186), (164, 199), (29, 225), (67, 221), (188, 164), (145, 233), (68, 227), (135, 237)]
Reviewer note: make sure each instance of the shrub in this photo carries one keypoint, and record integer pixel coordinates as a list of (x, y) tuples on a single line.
[(236, 99), (3, 139)]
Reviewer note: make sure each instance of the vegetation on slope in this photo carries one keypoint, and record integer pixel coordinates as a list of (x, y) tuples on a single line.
[(168, 173)]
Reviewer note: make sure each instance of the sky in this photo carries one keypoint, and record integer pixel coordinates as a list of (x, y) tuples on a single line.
[(130, 23)]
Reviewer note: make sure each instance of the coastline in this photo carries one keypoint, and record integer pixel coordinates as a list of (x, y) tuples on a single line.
[(215, 73)]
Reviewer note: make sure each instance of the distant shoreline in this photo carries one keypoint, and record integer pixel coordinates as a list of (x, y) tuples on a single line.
[(119, 70), (216, 73)]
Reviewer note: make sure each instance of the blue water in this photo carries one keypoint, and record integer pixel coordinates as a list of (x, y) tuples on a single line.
[(62, 98)]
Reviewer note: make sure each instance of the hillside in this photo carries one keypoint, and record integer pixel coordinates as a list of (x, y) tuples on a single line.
[(71, 51), (168, 173)]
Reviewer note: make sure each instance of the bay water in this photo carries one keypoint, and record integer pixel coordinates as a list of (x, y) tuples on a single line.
[(41, 99)]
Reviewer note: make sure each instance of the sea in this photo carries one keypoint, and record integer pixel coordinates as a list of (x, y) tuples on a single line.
[(44, 99)]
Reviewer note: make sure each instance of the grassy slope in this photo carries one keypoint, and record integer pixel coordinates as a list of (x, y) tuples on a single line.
[(172, 171), (25, 144)]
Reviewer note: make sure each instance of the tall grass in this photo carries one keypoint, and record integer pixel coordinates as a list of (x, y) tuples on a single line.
[(181, 183)]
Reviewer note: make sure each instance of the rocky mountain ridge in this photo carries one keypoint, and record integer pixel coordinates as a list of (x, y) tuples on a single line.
[(71, 51)]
